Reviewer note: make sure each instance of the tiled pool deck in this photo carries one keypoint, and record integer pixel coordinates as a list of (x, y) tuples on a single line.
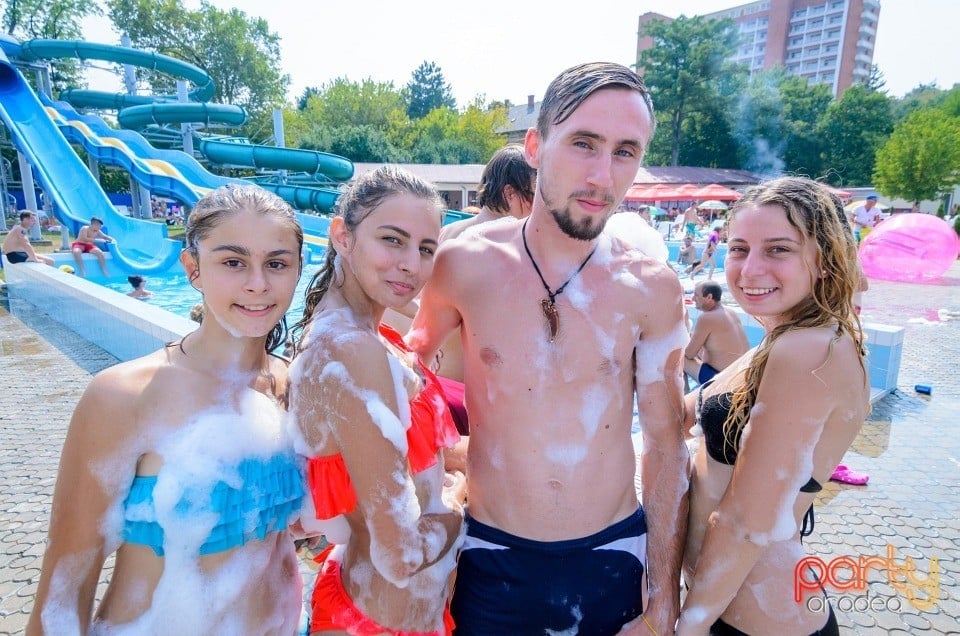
[(910, 447)]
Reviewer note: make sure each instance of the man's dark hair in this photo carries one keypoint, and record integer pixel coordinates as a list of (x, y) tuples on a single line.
[(507, 167), (96, 219), (26, 214), (712, 289), (574, 85)]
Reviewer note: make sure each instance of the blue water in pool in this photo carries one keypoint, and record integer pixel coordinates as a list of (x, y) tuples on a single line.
[(173, 292)]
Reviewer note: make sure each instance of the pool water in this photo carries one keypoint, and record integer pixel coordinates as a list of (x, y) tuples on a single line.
[(173, 292)]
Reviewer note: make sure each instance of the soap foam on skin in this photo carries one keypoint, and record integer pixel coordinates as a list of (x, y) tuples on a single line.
[(59, 614), (208, 311), (636, 233), (653, 353), (785, 523), (191, 597)]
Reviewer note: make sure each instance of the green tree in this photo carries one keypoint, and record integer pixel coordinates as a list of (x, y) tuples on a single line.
[(875, 82), (239, 52), (760, 126), (921, 160), (358, 143), (54, 20), (428, 90), (346, 103), (804, 105), (852, 130), (921, 96), (688, 53), (708, 141), (308, 92)]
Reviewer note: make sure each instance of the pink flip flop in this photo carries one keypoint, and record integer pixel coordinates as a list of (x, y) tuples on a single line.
[(847, 476)]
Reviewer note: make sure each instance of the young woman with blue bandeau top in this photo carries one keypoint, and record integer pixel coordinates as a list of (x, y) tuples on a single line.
[(178, 464)]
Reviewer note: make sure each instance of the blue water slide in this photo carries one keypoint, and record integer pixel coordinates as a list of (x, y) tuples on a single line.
[(171, 172), (142, 246), (168, 173)]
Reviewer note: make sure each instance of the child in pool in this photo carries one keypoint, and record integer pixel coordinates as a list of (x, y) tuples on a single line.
[(373, 420), (177, 461)]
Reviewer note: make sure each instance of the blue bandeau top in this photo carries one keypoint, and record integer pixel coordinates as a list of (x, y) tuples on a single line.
[(269, 494)]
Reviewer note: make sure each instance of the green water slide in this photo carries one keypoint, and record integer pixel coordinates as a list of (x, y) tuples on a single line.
[(138, 112)]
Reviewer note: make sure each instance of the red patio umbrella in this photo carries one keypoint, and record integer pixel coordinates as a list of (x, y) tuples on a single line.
[(653, 192), (638, 193), (684, 191), (717, 192)]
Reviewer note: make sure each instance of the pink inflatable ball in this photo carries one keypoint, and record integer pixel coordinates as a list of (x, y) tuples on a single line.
[(912, 248)]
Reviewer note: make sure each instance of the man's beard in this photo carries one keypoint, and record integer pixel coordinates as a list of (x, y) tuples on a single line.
[(583, 230)]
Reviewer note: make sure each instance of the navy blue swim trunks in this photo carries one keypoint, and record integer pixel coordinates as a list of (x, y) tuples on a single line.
[(17, 257), (510, 585)]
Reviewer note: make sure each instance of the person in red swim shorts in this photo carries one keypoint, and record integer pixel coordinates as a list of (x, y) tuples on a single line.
[(85, 244)]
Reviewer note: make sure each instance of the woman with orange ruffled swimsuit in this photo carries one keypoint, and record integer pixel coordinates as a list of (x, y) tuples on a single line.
[(372, 421)]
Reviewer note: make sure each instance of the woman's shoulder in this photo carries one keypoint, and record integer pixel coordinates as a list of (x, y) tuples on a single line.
[(349, 345), (821, 350), (111, 404), (129, 378)]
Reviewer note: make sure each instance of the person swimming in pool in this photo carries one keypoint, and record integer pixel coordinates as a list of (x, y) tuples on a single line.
[(194, 495)]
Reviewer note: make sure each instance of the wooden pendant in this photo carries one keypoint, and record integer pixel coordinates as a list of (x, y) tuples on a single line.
[(552, 315)]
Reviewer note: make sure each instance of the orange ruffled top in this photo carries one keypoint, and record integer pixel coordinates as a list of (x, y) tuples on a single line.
[(431, 428)]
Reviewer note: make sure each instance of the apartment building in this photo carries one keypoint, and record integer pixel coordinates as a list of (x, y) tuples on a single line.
[(826, 41)]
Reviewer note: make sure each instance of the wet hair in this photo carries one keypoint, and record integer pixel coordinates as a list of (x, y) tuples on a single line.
[(507, 167), (357, 201), (712, 289), (820, 219), (573, 86), (26, 214), (226, 201), (136, 280), (196, 313), (96, 219)]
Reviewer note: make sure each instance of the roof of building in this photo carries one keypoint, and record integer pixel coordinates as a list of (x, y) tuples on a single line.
[(436, 173), (649, 175)]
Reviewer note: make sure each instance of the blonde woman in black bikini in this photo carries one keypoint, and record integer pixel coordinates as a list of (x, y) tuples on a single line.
[(777, 421)]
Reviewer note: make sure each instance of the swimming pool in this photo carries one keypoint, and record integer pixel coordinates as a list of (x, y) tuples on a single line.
[(172, 292)]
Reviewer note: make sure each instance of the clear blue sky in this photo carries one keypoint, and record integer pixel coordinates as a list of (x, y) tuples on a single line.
[(508, 50)]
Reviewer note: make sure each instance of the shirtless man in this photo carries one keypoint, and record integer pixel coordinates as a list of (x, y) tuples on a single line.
[(17, 248), (691, 221), (594, 325), (506, 189), (688, 253), (717, 338), (85, 244)]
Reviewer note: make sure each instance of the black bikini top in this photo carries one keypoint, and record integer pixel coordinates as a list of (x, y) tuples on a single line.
[(710, 416)]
